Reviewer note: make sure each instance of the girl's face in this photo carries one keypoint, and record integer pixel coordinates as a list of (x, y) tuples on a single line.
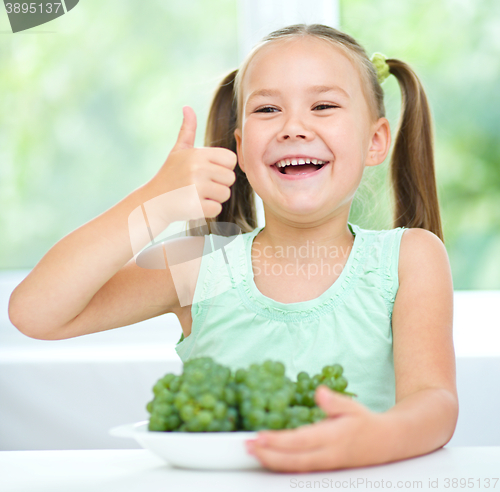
[(302, 98)]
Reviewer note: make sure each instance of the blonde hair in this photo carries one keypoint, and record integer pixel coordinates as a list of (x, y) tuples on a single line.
[(412, 161)]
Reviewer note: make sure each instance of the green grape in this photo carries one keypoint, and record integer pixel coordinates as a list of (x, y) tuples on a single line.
[(165, 396), (208, 401), (256, 417), (302, 385), (338, 370), (214, 426), (340, 384), (246, 407), (230, 395), (258, 400), (175, 384), (180, 400), (205, 417), (293, 423), (301, 376), (226, 426), (157, 423), (163, 409), (278, 369), (159, 386), (240, 375), (302, 413), (167, 379), (194, 425), (275, 420), (252, 381), (173, 421), (220, 410), (298, 399), (187, 412), (317, 414), (308, 399), (278, 402)]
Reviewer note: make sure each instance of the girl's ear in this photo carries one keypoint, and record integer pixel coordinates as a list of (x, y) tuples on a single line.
[(380, 143), (237, 136)]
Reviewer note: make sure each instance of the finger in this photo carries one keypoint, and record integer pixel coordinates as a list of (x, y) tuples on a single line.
[(306, 461), (187, 133), (223, 176), (307, 437), (334, 404), (223, 157), (217, 192)]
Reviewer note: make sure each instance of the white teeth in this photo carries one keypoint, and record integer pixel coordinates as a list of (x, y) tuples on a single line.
[(296, 162)]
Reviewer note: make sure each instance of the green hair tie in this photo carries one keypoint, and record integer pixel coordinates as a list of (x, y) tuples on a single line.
[(380, 64)]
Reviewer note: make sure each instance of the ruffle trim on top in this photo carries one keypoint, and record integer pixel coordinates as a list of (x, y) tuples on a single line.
[(391, 241), (254, 300), (199, 308)]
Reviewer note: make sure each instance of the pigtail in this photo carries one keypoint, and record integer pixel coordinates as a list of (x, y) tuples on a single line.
[(221, 123), (412, 163)]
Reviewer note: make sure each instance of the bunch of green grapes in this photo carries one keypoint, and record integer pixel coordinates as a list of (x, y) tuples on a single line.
[(202, 399), (330, 376), (206, 397), (265, 399)]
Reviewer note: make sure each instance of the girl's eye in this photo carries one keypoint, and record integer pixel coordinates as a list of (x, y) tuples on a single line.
[(325, 106), (265, 109)]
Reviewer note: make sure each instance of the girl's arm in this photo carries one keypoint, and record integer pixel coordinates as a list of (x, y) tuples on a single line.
[(426, 410), (89, 282)]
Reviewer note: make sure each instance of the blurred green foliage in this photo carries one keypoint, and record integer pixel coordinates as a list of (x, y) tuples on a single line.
[(91, 105), (454, 47)]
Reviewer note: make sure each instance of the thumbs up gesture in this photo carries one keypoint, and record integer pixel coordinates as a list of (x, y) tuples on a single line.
[(210, 169)]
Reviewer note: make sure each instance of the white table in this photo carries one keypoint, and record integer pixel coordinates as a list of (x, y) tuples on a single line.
[(141, 471)]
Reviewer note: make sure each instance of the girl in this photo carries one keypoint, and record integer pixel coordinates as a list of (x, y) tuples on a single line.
[(299, 121)]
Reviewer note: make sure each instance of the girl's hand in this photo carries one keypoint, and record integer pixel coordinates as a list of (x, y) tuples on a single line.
[(348, 437), (209, 169)]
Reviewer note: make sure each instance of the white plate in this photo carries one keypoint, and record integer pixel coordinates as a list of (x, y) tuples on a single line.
[(199, 450)]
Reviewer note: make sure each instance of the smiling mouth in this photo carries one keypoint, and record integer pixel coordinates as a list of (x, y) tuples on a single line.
[(300, 166)]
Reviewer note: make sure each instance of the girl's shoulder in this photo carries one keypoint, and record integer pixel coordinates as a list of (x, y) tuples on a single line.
[(419, 249)]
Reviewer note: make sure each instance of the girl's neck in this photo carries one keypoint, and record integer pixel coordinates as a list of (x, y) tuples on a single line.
[(332, 239)]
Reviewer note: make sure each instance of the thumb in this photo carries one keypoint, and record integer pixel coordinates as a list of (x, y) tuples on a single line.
[(333, 403), (187, 133)]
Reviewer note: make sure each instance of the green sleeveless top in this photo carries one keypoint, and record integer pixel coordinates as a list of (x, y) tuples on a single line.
[(350, 323)]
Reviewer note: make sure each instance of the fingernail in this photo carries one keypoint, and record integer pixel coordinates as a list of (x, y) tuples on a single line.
[(262, 440), (250, 445)]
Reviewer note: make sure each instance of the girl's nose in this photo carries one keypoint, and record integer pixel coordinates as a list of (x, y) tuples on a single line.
[(294, 129)]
